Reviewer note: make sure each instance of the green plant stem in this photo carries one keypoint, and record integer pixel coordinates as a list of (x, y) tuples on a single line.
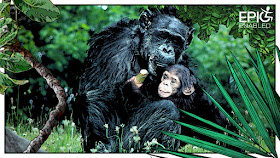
[(17, 105)]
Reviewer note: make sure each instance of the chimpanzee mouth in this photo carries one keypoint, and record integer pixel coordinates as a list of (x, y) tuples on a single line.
[(163, 91), (154, 64), (163, 65)]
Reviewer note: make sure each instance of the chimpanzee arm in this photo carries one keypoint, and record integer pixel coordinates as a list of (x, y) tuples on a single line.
[(132, 96)]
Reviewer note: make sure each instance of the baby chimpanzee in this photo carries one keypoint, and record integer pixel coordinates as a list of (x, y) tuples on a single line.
[(180, 89), (178, 85)]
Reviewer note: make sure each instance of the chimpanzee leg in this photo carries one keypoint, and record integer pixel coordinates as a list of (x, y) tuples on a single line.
[(151, 120), (95, 115)]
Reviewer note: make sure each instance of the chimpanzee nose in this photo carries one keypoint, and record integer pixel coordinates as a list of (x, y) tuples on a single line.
[(166, 82), (166, 55), (168, 50)]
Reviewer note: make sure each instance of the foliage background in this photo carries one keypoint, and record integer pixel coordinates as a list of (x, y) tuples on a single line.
[(62, 45)]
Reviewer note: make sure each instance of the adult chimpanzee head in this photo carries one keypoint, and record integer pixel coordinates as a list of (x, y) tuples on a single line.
[(165, 38), (178, 80)]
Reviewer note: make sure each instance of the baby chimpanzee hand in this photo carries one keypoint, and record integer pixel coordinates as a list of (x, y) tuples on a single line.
[(132, 80)]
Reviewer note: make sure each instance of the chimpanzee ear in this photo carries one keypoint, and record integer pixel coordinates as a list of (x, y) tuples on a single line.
[(189, 91), (190, 37), (145, 20)]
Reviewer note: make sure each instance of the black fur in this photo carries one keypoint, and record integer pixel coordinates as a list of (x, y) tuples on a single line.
[(116, 54), (197, 103)]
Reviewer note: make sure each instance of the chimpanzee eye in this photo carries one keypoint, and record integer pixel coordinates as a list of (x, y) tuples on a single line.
[(164, 76)]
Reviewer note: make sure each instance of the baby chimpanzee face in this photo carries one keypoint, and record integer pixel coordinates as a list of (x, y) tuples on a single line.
[(169, 85)]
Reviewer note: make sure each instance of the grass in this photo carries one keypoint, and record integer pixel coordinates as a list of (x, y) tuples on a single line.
[(65, 136)]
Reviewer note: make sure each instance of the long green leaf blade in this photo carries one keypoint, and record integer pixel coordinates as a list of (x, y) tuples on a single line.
[(254, 115), (257, 96), (253, 60), (208, 146), (236, 111), (224, 138), (225, 113), (215, 125), (267, 88)]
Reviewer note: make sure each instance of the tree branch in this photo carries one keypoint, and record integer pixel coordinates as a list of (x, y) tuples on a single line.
[(36, 143)]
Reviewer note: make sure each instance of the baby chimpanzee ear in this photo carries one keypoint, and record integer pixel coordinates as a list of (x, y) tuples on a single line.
[(189, 91)]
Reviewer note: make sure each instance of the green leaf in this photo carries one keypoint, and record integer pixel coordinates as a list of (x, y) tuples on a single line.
[(204, 26), (228, 22), (260, 32), (278, 52), (14, 63), (3, 89), (225, 113), (6, 81), (252, 111), (214, 125), (207, 145), (271, 38), (262, 103), (38, 10), (271, 44), (224, 19), (253, 60), (274, 107), (206, 18), (3, 6), (257, 37), (216, 15), (271, 31), (224, 138), (236, 111), (7, 33)]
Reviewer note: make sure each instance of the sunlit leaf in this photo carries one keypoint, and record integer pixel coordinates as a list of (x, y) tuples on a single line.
[(3, 6), (14, 63), (38, 10), (8, 30), (6, 81)]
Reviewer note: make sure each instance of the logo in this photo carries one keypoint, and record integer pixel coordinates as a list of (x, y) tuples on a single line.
[(252, 19)]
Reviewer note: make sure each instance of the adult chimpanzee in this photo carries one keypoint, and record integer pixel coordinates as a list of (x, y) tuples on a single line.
[(178, 88), (153, 42)]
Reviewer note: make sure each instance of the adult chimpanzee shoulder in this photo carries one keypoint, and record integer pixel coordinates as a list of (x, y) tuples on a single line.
[(153, 42)]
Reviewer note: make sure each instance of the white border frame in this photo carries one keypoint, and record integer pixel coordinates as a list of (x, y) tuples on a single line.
[(148, 2)]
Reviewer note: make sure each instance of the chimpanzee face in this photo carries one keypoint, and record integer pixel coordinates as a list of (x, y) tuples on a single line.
[(169, 85), (164, 42)]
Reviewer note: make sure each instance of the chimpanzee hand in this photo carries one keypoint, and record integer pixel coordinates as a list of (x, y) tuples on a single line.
[(134, 84)]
